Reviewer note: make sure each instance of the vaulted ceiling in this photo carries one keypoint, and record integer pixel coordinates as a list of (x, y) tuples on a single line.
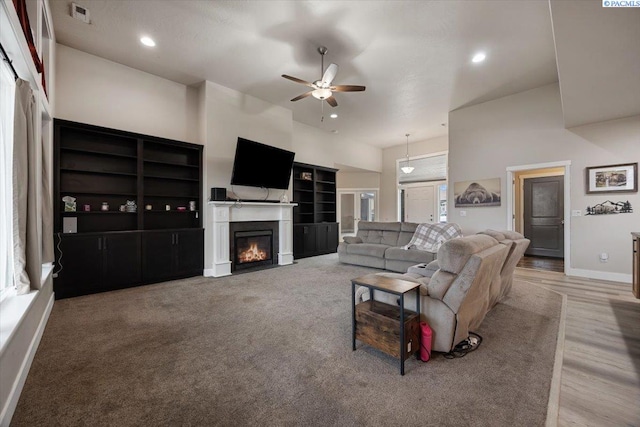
[(414, 57)]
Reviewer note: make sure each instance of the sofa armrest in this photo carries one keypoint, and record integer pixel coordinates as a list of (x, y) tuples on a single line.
[(352, 239)]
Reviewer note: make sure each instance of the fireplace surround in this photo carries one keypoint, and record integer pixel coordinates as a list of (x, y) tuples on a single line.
[(221, 216)]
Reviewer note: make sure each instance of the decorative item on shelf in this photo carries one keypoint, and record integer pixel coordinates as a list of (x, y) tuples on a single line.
[(123, 208), (609, 207), (148, 207), (284, 198), (131, 206), (69, 203), (105, 206), (167, 207), (192, 205), (307, 176), (621, 178), (86, 208), (181, 208)]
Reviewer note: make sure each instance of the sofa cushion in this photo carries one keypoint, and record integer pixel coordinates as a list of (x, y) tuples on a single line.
[(454, 254), (413, 255), (369, 249), (379, 232), (407, 230)]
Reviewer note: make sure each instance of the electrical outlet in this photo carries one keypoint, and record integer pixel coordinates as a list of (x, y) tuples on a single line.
[(604, 257), (463, 213), (576, 212), (409, 347)]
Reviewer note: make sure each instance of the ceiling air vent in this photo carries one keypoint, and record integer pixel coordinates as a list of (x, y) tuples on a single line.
[(80, 13)]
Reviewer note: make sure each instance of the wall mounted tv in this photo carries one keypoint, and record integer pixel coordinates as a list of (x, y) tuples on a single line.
[(260, 165)]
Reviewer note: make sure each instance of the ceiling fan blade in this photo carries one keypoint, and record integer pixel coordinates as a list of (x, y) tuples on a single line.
[(297, 80), (331, 101), (299, 97), (330, 74), (348, 88)]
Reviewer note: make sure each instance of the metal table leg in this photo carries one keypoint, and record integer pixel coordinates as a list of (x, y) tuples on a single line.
[(402, 349), (353, 317)]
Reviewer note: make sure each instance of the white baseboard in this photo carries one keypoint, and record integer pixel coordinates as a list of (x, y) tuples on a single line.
[(599, 275), (14, 395)]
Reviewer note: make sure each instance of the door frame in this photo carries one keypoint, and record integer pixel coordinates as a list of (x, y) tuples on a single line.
[(340, 191), (566, 164)]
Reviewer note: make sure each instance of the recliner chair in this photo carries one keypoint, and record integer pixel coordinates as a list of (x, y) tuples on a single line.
[(458, 295)]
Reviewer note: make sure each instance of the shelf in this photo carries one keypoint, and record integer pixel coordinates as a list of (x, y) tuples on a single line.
[(325, 182), (97, 172), (102, 153), (168, 212), (331, 203), (173, 196), (97, 212), (98, 193), (158, 162), (303, 190), (325, 192), (171, 178), (326, 212), (304, 203), (303, 180)]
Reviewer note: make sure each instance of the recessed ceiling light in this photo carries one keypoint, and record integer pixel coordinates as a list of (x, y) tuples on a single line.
[(478, 57), (334, 116), (147, 41)]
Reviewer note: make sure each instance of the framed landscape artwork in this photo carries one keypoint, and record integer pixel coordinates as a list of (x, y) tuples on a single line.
[(484, 192), (613, 178)]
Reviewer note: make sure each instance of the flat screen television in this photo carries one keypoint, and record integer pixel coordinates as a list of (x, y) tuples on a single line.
[(260, 165)]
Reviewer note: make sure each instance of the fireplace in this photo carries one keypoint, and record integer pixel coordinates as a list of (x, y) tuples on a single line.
[(253, 244)]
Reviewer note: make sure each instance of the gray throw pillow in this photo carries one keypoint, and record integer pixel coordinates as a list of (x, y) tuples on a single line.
[(352, 239)]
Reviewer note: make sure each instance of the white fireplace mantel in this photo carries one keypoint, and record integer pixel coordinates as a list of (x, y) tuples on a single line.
[(222, 213)]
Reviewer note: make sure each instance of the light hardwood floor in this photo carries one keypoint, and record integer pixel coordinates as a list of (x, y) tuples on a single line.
[(600, 375)]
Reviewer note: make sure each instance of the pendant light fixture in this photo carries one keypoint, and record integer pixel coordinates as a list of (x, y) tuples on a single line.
[(408, 168)]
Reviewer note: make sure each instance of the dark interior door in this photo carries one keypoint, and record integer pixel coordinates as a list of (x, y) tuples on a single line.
[(544, 215)]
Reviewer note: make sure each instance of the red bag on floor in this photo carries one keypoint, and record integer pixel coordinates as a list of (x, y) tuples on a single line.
[(425, 345)]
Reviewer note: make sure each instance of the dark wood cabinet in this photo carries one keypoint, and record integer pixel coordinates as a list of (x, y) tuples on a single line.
[(97, 262), (172, 254), (103, 169), (315, 230)]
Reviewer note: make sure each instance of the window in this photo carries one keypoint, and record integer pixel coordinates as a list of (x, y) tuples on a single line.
[(430, 168), (7, 100)]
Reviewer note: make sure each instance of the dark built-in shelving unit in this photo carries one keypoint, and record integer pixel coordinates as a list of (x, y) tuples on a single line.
[(114, 249), (315, 230)]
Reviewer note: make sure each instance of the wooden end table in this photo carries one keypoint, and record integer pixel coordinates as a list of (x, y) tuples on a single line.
[(388, 328)]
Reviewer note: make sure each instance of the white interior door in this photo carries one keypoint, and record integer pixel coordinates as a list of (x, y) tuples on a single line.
[(355, 206), (420, 204)]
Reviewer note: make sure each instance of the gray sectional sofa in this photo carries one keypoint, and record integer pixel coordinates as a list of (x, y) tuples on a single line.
[(379, 245)]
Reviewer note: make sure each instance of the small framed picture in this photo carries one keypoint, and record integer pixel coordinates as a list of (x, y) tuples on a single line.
[(306, 176), (613, 179)]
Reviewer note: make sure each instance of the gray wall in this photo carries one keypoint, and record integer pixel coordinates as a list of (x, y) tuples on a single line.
[(527, 128)]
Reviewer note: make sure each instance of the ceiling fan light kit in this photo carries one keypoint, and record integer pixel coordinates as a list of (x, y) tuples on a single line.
[(322, 89), (407, 169)]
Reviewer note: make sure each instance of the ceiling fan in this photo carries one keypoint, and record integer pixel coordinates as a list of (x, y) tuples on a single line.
[(322, 89)]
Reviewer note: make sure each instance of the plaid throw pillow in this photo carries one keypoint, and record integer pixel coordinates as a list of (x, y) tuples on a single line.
[(429, 237)]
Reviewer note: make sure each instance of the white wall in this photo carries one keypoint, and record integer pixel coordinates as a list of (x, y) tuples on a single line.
[(96, 91), (319, 147), (389, 180), (527, 128), (357, 180)]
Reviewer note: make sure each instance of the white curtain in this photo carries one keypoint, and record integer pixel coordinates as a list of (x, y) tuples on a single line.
[(7, 104), (27, 185)]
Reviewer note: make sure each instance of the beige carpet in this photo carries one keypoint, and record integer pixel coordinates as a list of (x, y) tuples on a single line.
[(274, 348)]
